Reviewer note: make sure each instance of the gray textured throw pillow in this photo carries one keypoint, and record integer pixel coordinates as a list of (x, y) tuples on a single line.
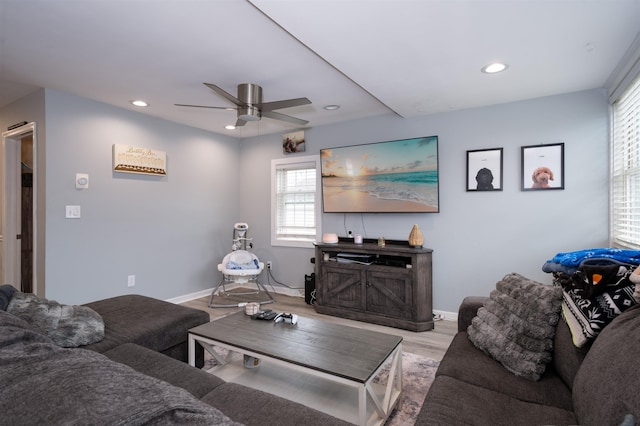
[(517, 323), (68, 326)]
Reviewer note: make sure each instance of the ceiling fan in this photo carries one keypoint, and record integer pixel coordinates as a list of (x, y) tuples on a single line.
[(250, 106)]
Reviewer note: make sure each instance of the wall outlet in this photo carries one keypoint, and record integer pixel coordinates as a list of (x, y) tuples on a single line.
[(269, 265), (131, 280)]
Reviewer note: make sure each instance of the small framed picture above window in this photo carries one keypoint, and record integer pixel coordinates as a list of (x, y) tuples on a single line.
[(293, 142), (543, 167), (484, 170)]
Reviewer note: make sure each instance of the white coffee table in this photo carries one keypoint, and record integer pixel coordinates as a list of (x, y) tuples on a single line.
[(326, 366)]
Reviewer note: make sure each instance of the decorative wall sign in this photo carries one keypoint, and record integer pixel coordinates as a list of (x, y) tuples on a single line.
[(543, 167), (131, 159), (484, 170), (293, 142)]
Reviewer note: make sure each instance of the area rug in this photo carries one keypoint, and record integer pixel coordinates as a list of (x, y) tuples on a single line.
[(417, 375)]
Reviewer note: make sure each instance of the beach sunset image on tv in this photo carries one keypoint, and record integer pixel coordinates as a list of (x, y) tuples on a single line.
[(384, 177)]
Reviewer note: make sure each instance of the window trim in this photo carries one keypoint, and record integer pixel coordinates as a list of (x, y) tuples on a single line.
[(622, 174), (275, 163)]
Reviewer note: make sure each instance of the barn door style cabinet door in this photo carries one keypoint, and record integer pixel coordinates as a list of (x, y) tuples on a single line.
[(388, 285)]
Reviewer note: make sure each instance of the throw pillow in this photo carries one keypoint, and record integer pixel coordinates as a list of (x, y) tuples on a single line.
[(6, 293), (68, 326), (517, 323)]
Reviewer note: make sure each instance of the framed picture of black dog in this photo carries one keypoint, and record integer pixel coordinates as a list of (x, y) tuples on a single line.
[(543, 167), (484, 170)]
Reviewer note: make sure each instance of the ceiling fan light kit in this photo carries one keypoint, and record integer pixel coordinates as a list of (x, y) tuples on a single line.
[(249, 105)]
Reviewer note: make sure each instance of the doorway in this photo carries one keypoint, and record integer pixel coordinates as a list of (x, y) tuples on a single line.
[(19, 208)]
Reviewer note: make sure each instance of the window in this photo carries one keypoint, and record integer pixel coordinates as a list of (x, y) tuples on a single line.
[(625, 168), (294, 200)]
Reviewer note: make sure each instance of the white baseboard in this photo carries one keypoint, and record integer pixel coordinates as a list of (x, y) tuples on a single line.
[(191, 296), (448, 316), (205, 293)]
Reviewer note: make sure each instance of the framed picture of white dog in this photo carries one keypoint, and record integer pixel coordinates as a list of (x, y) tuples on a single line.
[(484, 170), (543, 167)]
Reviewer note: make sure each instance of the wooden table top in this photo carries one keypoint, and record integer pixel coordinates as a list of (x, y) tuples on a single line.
[(340, 350)]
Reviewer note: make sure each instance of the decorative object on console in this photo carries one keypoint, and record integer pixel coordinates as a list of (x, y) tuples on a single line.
[(416, 239), (330, 238)]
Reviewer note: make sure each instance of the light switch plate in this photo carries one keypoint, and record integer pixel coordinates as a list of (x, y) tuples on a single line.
[(73, 212)]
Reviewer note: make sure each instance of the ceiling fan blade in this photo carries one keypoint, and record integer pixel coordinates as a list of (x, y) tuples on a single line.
[(240, 123), (225, 95), (283, 117), (287, 103), (204, 106)]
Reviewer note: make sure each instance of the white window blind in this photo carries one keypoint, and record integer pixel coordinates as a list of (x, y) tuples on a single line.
[(625, 182), (295, 203)]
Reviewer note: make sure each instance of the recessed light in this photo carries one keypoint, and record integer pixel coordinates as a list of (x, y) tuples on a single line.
[(139, 103), (230, 127), (331, 107), (494, 68)]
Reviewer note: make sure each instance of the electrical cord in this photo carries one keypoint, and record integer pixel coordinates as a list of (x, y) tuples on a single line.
[(344, 224), (270, 276)]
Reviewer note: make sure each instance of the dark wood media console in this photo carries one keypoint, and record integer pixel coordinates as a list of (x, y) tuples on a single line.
[(388, 285)]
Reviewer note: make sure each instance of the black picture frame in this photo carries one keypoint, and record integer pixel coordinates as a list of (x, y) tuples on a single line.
[(484, 170), (543, 167)]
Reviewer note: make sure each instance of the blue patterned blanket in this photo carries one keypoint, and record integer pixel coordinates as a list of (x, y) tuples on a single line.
[(575, 258)]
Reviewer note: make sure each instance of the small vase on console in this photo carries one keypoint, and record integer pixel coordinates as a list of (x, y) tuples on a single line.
[(416, 239)]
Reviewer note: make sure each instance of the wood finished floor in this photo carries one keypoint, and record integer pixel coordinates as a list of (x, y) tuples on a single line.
[(432, 344)]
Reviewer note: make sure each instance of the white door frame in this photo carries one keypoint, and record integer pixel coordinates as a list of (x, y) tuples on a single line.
[(11, 205)]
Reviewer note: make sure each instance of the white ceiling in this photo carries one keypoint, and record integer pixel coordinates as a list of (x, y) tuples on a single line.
[(371, 57)]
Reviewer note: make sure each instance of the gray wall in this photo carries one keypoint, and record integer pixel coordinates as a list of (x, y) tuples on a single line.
[(169, 232), (477, 237)]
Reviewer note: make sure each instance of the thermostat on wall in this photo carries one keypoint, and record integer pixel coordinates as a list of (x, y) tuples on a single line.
[(82, 181)]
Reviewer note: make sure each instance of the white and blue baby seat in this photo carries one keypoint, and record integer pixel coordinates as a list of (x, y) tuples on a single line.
[(239, 267)]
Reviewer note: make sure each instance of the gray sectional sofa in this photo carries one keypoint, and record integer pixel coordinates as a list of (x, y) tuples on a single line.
[(596, 385), (135, 375)]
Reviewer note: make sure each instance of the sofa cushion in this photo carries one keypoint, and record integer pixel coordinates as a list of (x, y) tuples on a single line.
[(465, 362), (605, 387), (162, 367), (68, 326), (517, 324), (149, 322), (257, 408), (43, 383), (6, 293), (454, 402), (567, 358)]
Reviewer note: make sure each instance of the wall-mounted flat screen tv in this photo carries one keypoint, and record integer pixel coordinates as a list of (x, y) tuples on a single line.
[(399, 176)]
